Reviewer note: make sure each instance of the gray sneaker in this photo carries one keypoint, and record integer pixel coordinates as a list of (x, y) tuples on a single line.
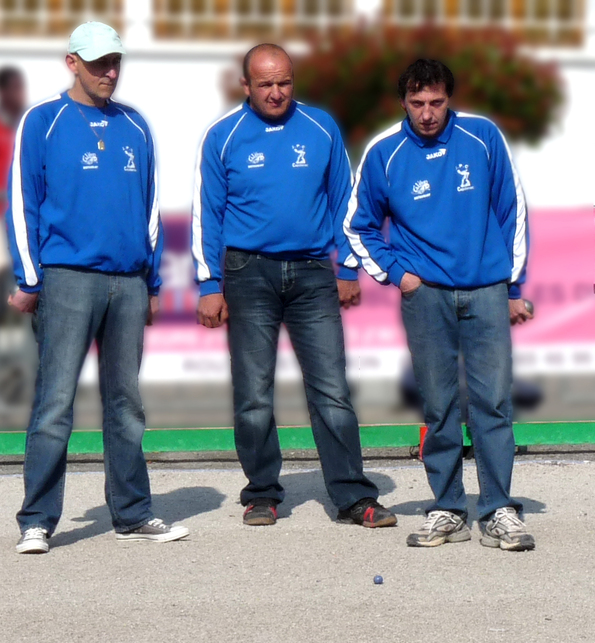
[(33, 541), (507, 531), (440, 527), (155, 530)]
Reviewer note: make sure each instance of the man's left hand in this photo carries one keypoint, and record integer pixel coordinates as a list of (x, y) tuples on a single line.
[(349, 293), (518, 311), (153, 309)]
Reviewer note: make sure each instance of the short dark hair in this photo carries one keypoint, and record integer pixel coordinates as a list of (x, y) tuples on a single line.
[(425, 73), (8, 74), (265, 46)]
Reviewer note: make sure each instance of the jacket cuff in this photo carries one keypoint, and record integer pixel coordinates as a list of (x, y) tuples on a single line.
[(347, 274), (31, 289), (395, 274), (514, 291), (210, 287)]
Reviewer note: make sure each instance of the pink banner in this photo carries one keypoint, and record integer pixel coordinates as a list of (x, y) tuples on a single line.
[(560, 281)]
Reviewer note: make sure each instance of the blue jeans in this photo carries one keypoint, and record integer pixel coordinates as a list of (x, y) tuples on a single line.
[(74, 308), (440, 322), (262, 294)]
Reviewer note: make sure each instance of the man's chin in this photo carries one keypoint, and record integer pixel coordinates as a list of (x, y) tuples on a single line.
[(428, 132), (277, 112)]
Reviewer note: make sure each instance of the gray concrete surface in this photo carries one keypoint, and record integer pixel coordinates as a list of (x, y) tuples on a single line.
[(376, 402), (307, 578)]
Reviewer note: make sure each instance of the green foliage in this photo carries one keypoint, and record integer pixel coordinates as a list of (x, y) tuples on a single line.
[(354, 76)]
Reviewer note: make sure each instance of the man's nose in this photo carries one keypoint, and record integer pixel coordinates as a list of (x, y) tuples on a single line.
[(276, 92), (112, 73), (426, 113)]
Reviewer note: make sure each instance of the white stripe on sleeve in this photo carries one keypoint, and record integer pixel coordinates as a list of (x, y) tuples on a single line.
[(154, 218), (370, 266), (519, 246), (203, 272), (18, 203)]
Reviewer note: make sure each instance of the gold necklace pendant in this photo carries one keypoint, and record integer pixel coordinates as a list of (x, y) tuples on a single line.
[(100, 143)]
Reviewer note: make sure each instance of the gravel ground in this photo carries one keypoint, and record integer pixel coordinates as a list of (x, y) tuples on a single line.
[(308, 578)]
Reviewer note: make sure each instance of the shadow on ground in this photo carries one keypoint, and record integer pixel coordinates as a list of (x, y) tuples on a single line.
[(418, 507), (309, 485), (175, 506)]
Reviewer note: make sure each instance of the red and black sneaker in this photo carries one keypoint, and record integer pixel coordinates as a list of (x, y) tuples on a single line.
[(261, 511), (368, 513)]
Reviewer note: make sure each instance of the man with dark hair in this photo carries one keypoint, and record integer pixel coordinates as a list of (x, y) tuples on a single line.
[(425, 73), (86, 240), (457, 250), (272, 186)]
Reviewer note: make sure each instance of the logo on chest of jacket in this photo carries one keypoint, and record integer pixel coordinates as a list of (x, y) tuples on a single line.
[(256, 159), (130, 166), (90, 161), (421, 189), (437, 154), (300, 150), (463, 170)]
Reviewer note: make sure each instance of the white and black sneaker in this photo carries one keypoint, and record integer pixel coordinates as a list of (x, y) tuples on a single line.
[(33, 541), (440, 527), (155, 530), (507, 531)]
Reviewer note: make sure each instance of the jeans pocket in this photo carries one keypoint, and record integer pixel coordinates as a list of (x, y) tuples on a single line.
[(327, 264), (411, 293), (237, 259)]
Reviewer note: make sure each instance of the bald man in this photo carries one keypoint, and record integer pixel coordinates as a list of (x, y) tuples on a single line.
[(272, 187)]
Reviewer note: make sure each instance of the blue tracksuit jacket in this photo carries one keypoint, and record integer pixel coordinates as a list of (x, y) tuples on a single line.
[(74, 205), (279, 188), (456, 209)]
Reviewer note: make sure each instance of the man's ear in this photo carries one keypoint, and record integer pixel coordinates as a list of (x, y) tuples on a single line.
[(245, 85), (72, 63)]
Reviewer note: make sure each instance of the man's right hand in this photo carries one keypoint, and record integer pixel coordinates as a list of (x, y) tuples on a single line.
[(24, 302), (409, 283), (212, 310)]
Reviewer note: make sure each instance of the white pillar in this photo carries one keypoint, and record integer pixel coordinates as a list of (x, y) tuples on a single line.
[(590, 27), (138, 23), (369, 9)]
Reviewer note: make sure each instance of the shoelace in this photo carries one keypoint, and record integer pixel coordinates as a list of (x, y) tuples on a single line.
[(34, 533), (434, 517), (507, 518), (157, 523)]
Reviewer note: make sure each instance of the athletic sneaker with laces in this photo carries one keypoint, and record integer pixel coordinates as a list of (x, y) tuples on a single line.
[(155, 530), (440, 527), (33, 541), (368, 513), (507, 531), (260, 512)]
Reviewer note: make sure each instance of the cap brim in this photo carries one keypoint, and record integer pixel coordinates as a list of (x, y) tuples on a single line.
[(89, 54)]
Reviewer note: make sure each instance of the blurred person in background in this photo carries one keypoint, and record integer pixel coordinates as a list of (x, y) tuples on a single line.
[(12, 108), (85, 237), (272, 186), (457, 250)]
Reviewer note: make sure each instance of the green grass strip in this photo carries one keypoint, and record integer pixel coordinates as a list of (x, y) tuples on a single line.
[(375, 436)]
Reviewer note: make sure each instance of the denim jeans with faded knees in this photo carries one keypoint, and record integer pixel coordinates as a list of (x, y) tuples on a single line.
[(74, 308), (440, 322), (263, 293)]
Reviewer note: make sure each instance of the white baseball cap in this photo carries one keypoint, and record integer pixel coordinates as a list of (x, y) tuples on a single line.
[(93, 40)]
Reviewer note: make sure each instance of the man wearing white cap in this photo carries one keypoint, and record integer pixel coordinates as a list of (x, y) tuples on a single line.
[(86, 240)]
